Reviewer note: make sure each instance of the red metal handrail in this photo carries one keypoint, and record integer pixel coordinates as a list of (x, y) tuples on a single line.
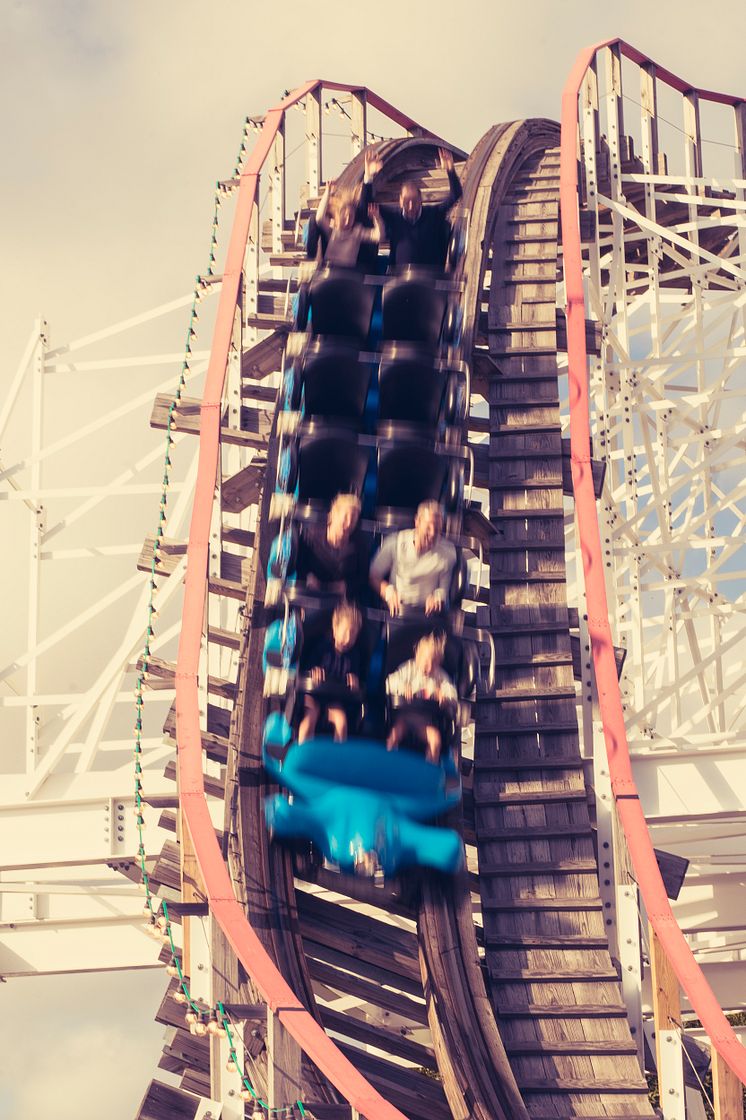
[(224, 906), (624, 789)]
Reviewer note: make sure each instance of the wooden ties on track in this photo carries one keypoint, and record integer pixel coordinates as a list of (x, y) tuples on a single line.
[(404, 976), (553, 987)]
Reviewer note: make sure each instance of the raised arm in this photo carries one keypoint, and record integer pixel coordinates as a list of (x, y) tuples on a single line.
[(321, 219), (446, 164), (378, 232)]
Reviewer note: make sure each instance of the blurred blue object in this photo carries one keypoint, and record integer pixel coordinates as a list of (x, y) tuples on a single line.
[(356, 798)]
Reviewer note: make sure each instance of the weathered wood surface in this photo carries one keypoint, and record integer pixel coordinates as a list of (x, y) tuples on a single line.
[(551, 980), (255, 423)]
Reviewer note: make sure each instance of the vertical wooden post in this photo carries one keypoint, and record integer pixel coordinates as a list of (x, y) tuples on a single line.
[(191, 889), (649, 115), (727, 1090), (739, 112), (358, 121), (693, 141), (250, 286), (313, 139), (284, 1075), (667, 1018), (277, 189)]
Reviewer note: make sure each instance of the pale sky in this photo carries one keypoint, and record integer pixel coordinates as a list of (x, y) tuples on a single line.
[(118, 119)]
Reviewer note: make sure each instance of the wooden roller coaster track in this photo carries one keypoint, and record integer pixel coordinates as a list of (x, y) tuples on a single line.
[(494, 996)]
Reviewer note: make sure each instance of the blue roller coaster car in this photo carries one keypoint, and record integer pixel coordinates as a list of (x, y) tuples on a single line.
[(366, 808)]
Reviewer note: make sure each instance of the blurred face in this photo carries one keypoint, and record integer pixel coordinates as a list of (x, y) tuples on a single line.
[(344, 632), (410, 201), (427, 528), (426, 657), (342, 520), (346, 217)]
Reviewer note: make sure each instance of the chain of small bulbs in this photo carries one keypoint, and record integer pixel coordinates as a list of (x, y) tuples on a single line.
[(201, 1020)]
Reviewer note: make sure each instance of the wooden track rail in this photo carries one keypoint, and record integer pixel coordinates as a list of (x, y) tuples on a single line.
[(519, 1017), (552, 983), (472, 1072)]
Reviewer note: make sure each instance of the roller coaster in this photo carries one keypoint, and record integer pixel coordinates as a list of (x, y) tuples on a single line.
[(505, 984)]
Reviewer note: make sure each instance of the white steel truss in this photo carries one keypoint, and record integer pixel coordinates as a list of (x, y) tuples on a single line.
[(665, 284), (79, 485), (80, 477)]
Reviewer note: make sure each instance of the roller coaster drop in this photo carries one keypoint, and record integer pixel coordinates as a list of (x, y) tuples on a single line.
[(558, 1043), (509, 988)]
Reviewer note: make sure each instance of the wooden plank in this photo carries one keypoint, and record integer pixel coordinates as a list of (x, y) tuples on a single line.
[(254, 430), (598, 470), (582, 1085), (264, 358), (397, 1003), (565, 1011), (213, 786), (166, 1102), (284, 1064), (727, 1090), (163, 676), (375, 1034), (665, 993), (233, 568), (215, 741), (571, 1046), (244, 489)]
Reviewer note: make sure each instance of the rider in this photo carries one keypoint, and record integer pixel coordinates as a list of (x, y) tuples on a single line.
[(413, 568), (334, 659), (334, 557), (350, 238), (417, 234), (422, 677)]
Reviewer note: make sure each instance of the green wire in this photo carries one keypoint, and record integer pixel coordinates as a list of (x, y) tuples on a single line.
[(140, 683)]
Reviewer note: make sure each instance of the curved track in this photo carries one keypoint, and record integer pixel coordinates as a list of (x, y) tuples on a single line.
[(510, 177), (548, 1035)]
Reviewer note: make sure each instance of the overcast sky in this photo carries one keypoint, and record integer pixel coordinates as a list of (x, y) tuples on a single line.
[(118, 118)]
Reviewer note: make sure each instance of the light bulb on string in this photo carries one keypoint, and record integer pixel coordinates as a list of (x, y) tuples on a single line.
[(172, 969), (231, 1066), (213, 1026), (191, 1016), (179, 996), (200, 1027)]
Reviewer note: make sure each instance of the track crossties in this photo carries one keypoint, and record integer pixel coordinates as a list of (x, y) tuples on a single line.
[(552, 983)]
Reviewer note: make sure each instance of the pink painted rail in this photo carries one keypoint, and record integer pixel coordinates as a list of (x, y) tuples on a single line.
[(628, 805), (224, 906)]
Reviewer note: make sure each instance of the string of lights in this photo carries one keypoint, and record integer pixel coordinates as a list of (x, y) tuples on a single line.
[(201, 1020)]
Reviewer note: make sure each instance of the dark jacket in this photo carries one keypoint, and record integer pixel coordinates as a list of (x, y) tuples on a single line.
[(425, 241)]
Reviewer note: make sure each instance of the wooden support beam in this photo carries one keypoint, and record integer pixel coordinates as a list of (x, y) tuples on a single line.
[(727, 1090), (192, 889), (213, 786), (313, 146), (277, 188), (244, 488), (254, 430), (358, 121), (598, 470), (233, 568), (284, 1064), (739, 112), (163, 675), (666, 997)]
